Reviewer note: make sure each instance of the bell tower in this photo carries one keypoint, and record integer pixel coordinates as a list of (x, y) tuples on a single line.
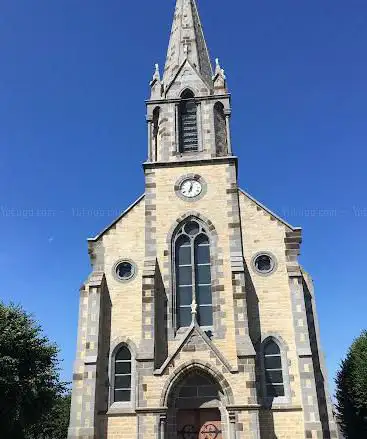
[(189, 109), (191, 172)]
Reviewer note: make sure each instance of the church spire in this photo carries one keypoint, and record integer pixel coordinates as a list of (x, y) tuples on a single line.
[(187, 42)]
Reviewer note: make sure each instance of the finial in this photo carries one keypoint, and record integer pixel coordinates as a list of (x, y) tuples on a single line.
[(156, 73), (218, 70), (217, 66)]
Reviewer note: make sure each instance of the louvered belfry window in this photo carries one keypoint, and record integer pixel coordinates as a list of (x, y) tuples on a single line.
[(188, 126)]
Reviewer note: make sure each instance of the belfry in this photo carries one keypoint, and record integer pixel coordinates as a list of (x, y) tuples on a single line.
[(197, 320)]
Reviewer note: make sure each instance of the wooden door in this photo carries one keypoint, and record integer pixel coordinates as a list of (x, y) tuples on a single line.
[(199, 424)]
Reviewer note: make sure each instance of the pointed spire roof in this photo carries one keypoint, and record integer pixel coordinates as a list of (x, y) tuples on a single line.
[(187, 42)]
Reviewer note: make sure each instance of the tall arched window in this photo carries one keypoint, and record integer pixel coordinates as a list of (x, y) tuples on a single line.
[(155, 132), (193, 274), (220, 130), (122, 375), (274, 381), (188, 126)]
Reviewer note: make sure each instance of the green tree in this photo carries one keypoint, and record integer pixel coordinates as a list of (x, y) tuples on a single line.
[(351, 393), (54, 424), (29, 373)]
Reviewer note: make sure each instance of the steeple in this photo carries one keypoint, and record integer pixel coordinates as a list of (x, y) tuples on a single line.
[(187, 42), (189, 107)]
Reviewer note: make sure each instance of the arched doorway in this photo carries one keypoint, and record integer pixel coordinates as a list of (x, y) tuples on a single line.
[(199, 424), (195, 408)]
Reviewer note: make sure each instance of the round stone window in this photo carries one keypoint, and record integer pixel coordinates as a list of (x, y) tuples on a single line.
[(124, 270), (264, 263)]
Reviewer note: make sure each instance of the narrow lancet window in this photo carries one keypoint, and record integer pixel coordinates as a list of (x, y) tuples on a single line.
[(184, 276), (273, 370), (188, 126), (122, 378), (155, 132), (220, 130), (203, 285), (193, 275)]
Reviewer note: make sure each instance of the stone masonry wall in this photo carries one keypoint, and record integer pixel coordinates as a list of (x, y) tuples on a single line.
[(269, 306), (270, 309)]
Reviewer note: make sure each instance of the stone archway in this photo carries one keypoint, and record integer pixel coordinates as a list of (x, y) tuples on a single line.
[(196, 407)]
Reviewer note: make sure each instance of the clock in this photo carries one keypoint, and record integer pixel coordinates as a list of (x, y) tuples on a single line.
[(191, 188)]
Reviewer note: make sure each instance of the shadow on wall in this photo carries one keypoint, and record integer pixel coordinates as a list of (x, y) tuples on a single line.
[(318, 369), (266, 418), (103, 382), (160, 319)]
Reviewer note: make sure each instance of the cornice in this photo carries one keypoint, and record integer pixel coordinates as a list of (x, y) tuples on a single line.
[(191, 162), (178, 100)]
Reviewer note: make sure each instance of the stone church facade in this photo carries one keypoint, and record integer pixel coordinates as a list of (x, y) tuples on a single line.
[(197, 320)]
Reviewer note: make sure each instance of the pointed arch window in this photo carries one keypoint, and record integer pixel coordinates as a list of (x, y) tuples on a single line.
[(122, 375), (188, 125), (156, 114), (193, 275), (273, 366), (220, 129)]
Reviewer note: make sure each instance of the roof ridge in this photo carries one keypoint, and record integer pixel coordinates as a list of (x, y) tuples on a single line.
[(125, 212), (270, 212)]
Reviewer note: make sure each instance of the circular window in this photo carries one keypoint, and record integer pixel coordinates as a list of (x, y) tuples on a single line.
[(192, 228), (264, 263), (124, 270)]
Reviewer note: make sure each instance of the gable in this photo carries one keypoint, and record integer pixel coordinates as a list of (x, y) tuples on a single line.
[(250, 200), (120, 239), (265, 232), (118, 219), (187, 77), (195, 340)]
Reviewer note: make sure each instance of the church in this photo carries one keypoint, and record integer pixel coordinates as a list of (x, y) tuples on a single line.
[(197, 320)]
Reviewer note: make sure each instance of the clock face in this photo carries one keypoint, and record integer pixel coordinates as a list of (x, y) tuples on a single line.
[(191, 188)]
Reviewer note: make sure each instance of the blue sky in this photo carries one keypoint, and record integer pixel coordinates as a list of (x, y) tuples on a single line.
[(73, 79)]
